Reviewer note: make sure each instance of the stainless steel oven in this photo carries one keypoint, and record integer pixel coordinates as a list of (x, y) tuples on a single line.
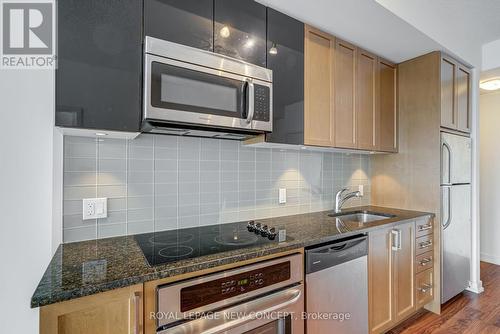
[(267, 297), (197, 89)]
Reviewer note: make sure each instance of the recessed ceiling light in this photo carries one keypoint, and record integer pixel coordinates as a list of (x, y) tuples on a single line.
[(101, 134), (492, 84), (224, 32), (304, 148)]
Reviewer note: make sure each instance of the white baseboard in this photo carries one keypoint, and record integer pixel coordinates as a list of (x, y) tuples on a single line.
[(476, 287), (490, 258)]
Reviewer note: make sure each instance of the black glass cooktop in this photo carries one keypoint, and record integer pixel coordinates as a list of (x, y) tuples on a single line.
[(170, 246)]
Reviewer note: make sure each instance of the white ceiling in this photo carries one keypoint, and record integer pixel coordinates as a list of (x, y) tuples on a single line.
[(402, 29), (459, 25), (362, 22)]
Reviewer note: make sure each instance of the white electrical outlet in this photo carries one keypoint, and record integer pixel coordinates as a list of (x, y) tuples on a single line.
[(282, 196), (94, 208), (361, 190)]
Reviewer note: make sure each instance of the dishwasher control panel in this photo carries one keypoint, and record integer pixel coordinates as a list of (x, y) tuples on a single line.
[(335, 253), (210, 292)]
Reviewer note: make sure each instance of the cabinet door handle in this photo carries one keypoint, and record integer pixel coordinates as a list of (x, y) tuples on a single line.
[(425, 261), (425, 288), (136, 299), (396, 240), (425, 244), (424, 227)]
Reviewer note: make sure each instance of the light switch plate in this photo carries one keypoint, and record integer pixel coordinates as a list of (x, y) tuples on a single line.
[(282, 235), (94, 208), (361, 190), (282, 196)]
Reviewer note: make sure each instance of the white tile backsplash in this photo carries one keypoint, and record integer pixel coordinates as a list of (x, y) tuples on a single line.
[(158, 182)]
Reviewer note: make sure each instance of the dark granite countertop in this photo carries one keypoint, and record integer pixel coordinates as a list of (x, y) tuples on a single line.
[(85, 268)]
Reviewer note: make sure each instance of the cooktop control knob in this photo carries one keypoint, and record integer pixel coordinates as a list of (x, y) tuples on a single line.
[(264, 231), (271, 235), (251, 226), (257, 228)]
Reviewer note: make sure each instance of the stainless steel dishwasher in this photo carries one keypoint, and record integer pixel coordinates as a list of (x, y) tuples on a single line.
[(337, 287)]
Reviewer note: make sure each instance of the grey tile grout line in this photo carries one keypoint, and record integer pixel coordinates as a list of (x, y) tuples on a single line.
[(254, 216), (199, 182), (154, 184), (220, 181), (178, 156), (96, 181), (127, 185), (238, 178)]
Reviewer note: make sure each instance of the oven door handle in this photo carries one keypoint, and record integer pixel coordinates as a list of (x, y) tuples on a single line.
[(222, 321), (251, 99)]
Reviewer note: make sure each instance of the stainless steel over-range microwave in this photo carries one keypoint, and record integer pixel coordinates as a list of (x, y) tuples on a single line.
[(207, 94)]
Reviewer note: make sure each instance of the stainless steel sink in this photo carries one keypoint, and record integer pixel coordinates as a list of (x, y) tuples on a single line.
[(362, 217)]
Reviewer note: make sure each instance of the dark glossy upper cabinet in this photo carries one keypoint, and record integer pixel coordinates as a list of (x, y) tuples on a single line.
[(188, 22), (240, 30), (286, 35), (99, 75)]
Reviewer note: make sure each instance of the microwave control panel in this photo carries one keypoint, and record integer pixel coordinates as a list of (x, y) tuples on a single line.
[(262, 103)]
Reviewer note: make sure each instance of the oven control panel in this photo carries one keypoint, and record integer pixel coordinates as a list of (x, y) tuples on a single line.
[(213, 291)]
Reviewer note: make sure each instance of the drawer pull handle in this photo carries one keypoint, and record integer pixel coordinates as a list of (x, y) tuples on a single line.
[(425, 288), (425, 261), (425, 244), (424, 227)]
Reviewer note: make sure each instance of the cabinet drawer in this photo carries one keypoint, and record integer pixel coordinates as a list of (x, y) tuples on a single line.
[(424, 261), (424, 227), (424, 287), (424, 244)]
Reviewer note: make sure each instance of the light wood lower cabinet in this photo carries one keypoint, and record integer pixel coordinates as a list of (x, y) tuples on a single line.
[(391, 276), (118, 311), (424, 284), (380, 282), (404, 271)]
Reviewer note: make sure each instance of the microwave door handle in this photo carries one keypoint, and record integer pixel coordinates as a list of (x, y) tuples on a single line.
[(251, 100)]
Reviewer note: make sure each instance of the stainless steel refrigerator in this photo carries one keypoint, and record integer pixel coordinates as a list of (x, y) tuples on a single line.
[(456, 165)]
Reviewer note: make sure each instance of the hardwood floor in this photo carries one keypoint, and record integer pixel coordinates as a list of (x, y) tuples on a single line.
[(466, 313)]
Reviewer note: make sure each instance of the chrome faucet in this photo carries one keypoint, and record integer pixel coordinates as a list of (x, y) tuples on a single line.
[(340, 200)]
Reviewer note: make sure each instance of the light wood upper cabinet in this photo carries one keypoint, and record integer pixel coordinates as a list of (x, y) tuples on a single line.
[(448, 72), (387, 113), (113, 312), (349, 96), (391, 277), (463, 99), (345, 98), (366, 92), (455, 95), (318, 88)]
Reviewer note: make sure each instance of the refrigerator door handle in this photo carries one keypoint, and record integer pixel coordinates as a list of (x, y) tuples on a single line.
[(448, 221), (448, 148)]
